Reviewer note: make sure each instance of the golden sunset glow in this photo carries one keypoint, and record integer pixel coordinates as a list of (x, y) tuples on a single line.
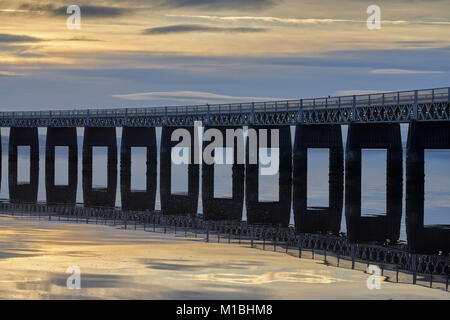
[(127, 44), (288, 28)]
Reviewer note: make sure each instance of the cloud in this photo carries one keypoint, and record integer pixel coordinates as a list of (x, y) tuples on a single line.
[(9, 74), (404, 71), (419, 44), (444, 23), (189, 97), (122, 7), (83, 39), (12, 38), (96, 11), (19, 45), (283, 21), (87, 11), (14, 11), (356, 92), (218, 4), (303, 21), (265, 19), (184, 28)]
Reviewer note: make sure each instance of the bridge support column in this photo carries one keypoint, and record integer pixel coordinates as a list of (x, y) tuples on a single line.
[(66, 137), (138, 200), (421, 239), (277, 212), (177, 204), (318, 219), (373, 136), (23, 192), (223, 208), (99, 137), (0, 158)]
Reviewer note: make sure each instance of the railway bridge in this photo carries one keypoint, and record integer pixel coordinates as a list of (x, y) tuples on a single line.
[(373, 122)]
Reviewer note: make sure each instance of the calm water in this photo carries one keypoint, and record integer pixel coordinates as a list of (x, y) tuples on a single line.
[(437, 185)]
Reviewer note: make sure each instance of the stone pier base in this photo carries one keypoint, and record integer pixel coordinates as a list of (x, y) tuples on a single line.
[(383, 227), (223, 208), (318, 219), (177, 204), (421, 238), (23, 192), (271, 212), (61, 137), (132, 199)]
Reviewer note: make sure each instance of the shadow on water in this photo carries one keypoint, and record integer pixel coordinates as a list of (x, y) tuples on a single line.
[(187, 265)]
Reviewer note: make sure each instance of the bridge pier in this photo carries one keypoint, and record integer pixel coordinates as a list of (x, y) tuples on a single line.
[(373, 136), (224, 208), (423, 239), (177, 204), (274, 212), (138, 137), (99, 137), (61, 137), (318, 219), (23, 192)]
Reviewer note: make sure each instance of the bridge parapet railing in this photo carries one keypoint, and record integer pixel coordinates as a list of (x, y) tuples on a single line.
[(375, 99)]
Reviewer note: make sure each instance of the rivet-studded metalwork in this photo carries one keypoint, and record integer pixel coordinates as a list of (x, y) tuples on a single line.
[(390, 107)]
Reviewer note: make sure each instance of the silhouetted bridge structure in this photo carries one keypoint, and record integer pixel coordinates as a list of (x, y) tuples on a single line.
[(390, 107), (373, 120)]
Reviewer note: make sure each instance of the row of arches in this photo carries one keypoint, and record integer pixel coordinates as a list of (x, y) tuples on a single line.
[(245, 178)]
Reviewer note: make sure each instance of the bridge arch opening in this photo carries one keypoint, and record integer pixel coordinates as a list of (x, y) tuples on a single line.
[(223, 173), (437, 187), (99, 168), (179, 180), (318, 181), (23, 164), (61, 166), (373, 182), (268, 175), (138, 169)]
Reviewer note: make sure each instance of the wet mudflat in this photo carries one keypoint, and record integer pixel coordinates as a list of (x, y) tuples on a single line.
[(128, 264)]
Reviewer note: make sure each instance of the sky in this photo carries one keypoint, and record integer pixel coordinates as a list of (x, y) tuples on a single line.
[(174, 52)]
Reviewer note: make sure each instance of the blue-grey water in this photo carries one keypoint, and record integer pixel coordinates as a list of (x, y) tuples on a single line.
[(437, 178)]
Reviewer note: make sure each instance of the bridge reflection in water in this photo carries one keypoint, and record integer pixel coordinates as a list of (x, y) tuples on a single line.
[(383, 133)]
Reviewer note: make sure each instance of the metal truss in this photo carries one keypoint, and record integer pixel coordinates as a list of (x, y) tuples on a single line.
[(390, 107)]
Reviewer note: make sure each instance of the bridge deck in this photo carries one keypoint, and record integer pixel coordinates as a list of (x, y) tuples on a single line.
[(388, 107)]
